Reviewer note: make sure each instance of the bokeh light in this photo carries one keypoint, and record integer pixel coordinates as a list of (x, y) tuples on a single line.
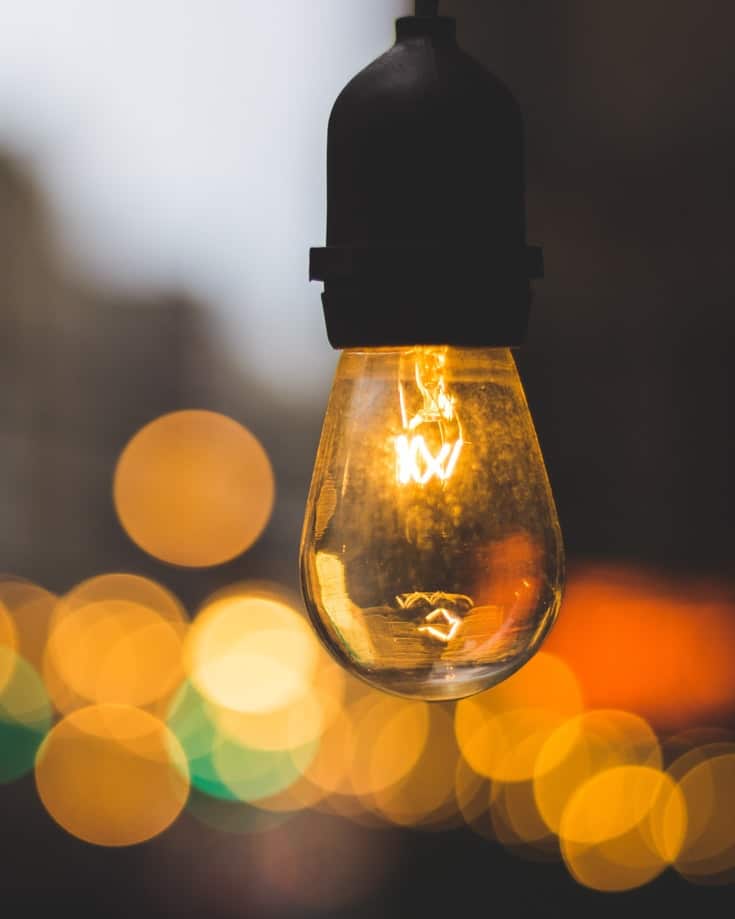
[(301, 794), (425, 796), (252, 774), (194, 488), (194, 723), (708, 853), (250, 651), (577, 750), (115, 638), (303, 719), (659, 646), (8, 641), (30, 608), (330, 768), (623, 827), (263, 733), (517, 824), (472, 795), (261, 694), (391, 734), (25, 715), (501, 731), (112, 775), (237, 818)]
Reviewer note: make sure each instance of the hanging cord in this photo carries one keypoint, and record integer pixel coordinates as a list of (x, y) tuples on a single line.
[(427, 7)]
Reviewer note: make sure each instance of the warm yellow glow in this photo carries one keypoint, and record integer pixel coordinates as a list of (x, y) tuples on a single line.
[(194, 488), (249, 651), (434, 412), (472, 794), (9, 641), (693, 756), (343, 613), (282, 729), (350, 807), (391, 735), (331, 766), (426, 794), (112, 775), (445, 627), (516, 825), (584, 746), (610, 804), (298, 796), (117, 652), (431, 555), (501, 732), (501, 828), (472, 642), (129, 588), (515, 805), (117, 639), (416, 462), (708, 853), (297, 723), (31, 608), (623, 827)]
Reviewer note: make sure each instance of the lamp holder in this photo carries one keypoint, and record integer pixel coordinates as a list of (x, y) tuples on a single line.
[(426, 222)]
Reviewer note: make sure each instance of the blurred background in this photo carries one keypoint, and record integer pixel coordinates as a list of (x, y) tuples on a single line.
[(162, 177)]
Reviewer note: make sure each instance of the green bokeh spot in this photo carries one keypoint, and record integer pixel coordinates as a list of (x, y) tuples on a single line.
[(25, 716), (191, 720)]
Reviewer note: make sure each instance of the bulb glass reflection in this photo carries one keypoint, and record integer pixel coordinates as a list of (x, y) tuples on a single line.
[(431, 556)]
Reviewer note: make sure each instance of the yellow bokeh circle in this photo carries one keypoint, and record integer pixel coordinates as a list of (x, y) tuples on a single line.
[(390, 734), (708, 853), (194, 488), (115, 638), (425, 796), (112, 775), (501, 732), (8, 641), (31, 608), (623, 827), (249, 651), (583, 746)]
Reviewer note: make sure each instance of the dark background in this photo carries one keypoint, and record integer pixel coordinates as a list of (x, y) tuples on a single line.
[(630, 117)]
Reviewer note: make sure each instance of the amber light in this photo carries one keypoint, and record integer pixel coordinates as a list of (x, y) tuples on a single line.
[(431, 556), (194, 488), (660, 646)]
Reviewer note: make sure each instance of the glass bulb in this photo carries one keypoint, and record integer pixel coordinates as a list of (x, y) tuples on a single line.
[(431, 556)]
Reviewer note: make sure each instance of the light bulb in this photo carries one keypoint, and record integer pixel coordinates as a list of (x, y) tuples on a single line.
[(431, 555)]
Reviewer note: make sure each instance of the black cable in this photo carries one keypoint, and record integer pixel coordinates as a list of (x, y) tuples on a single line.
[(427, 7)]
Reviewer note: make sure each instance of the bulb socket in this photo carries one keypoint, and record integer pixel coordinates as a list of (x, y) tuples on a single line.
[(426, 214)]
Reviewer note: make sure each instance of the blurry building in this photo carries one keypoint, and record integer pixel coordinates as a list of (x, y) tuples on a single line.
[(82, 370)]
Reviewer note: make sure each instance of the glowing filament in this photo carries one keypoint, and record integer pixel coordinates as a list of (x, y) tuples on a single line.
[(426, 405), (416, 463), (440, 634)]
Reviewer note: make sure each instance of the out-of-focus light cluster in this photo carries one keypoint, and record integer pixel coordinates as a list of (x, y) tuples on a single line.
[(131, 713)]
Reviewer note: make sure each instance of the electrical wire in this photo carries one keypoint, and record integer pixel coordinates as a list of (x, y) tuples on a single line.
[(427, 7)]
